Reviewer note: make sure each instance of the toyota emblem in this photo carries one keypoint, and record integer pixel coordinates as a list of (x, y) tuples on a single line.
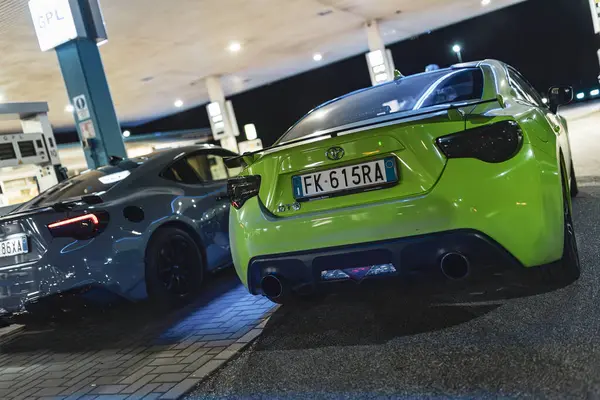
[(335, 153)]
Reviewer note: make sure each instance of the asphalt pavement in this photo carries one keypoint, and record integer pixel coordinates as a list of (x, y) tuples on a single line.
[(388, 346)]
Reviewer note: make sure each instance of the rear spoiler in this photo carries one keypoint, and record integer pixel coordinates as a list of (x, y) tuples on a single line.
[(23, 214), (60, 206), (90, 200), (246, 158)]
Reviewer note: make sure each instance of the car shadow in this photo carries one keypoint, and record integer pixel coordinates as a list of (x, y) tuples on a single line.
[(353, 319), (119, 327)]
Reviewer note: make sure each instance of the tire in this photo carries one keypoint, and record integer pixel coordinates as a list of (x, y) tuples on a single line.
[(568, 269), (174, 268), (573, 186)]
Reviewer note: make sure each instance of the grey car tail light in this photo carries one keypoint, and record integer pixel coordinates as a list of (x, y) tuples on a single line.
[(84, 226)]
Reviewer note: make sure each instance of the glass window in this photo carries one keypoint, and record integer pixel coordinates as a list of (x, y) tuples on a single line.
[(519, 91), (93, 181), (406, 94), (454, 88), (209, 167), (524, 89), (199, 167), (180, 171)]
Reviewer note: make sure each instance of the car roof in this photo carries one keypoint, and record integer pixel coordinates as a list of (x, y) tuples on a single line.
[(175, 151), (160, 158)]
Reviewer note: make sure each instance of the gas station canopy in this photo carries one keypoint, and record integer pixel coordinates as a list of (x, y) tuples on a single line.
[(161, 51)]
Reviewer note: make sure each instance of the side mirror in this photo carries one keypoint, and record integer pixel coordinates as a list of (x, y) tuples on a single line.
[(559, 96)]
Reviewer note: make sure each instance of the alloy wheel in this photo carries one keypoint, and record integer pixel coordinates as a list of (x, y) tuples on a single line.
[(175, 264)]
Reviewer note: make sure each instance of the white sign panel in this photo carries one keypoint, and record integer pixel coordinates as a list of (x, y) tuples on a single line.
[(53, 22), (216, 119), (381, 66), (81, 107), (87, 130), (250, 131)]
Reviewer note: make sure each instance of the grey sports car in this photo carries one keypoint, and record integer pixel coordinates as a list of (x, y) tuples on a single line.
[(148, 226)]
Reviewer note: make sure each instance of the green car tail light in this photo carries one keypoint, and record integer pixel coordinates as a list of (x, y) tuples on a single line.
[(492, 143), (242, 188)]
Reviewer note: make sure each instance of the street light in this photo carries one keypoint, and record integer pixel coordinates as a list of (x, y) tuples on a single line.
[(457, 49)]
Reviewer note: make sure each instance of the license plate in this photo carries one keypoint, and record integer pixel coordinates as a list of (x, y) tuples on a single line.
[(14, 246), (345, 180)]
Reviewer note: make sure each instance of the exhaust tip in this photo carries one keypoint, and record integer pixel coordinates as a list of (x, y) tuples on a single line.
[(271, 286), (454, 266)]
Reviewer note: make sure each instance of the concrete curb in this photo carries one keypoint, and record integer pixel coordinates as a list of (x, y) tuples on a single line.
[(8, 332), (217, 362)]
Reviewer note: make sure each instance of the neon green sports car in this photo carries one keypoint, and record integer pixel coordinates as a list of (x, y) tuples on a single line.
[(461, 174)]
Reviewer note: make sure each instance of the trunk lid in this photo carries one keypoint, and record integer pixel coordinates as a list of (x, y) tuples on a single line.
[(26, 231), (410, 143)]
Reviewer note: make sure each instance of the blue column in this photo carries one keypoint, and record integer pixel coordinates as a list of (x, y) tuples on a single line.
[(83, 73)]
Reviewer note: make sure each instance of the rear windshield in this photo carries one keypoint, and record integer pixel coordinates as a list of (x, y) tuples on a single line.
[(90, 182), (405, 94)]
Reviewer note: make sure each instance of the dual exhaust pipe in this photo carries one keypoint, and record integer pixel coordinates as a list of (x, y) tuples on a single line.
[(453, 265), (272, 286)]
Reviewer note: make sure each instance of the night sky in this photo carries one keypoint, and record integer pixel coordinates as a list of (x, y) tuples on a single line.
[(549, 41)]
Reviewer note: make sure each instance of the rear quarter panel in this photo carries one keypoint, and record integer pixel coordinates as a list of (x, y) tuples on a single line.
[(544, 179), (162, 206)]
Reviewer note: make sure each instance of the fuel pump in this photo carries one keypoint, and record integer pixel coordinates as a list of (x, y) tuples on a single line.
[(29, 160)]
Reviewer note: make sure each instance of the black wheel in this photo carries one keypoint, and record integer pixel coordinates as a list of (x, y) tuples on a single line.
[(174, 267), (568, 269), (573, 186)]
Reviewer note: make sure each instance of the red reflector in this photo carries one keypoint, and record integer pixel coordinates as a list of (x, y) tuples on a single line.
[(90, 217)]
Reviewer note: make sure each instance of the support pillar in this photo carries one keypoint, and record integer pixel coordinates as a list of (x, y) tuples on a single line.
[(75, 28), (95, 115), (379, 59), (215, 91), (221, 115), (595, 10), (374, 36)]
